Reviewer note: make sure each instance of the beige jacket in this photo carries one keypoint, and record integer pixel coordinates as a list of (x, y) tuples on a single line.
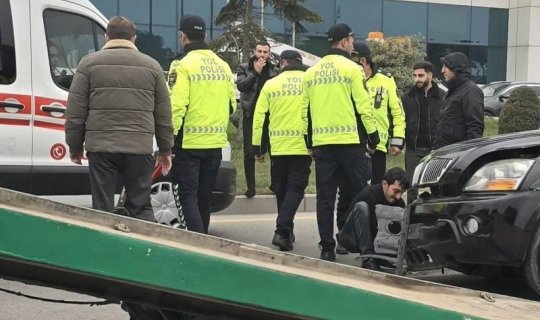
[(117, 102)]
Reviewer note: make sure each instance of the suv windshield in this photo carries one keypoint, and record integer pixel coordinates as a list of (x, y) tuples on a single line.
[(493, 89)]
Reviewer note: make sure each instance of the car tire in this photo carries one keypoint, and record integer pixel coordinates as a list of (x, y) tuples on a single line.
[(531, 267)]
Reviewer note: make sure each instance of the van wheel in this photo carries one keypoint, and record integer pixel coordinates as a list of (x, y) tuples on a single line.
[(531, 268)]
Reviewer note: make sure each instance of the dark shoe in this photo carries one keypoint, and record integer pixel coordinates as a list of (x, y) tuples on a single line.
[(340, 249), (283, 243), (328, 256), (371, 264), (250, 192)]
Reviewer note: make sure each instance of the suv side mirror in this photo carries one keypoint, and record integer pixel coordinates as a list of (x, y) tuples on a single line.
[(503, 98)]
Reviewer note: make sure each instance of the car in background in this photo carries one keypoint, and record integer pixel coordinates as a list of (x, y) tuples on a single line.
[(497, 93), (478, 210)]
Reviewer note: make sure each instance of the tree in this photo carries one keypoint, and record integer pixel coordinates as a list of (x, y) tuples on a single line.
[(397, 55), (294, 12), (521, 112), (242, 28)]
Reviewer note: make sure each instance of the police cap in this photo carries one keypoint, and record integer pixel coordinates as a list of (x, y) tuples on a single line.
[(291, 55), (338, 32), (192, 23)]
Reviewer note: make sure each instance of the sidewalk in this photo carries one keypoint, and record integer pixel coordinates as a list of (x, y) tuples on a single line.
[(264, 204)]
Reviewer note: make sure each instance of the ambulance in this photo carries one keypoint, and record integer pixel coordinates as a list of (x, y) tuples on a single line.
[(41, 44)]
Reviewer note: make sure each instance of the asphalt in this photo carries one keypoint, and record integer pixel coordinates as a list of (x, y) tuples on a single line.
[(265, 204)]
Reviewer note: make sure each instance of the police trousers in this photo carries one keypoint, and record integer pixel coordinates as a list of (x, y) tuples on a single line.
[(195, 171), (332, 163), (290, 175)]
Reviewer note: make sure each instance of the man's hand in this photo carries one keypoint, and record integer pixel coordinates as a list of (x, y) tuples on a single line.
[(76, 157), (310, 152), (371, 151), (259, 158), (259, 65), (395, 150), (166, 163)]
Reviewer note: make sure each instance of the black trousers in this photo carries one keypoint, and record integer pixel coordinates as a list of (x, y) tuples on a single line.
[(290, 175), (378, 166), (412, 159), (332, 163), (136, 173), (195, 171), (249, 155)]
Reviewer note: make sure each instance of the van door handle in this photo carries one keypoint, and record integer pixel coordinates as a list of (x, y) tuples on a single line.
[(5, 104), (53, 109)]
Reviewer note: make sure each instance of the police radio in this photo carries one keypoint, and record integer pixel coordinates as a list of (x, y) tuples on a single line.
[(378, 98)]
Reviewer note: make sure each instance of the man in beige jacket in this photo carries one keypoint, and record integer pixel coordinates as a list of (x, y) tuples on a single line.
[(117, 103)]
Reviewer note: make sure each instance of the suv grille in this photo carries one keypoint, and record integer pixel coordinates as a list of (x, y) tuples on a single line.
[(435, 169)]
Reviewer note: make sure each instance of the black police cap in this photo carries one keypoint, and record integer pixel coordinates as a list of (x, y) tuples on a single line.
[(361, 49), (338, 32), (291, 54), (192, 23)]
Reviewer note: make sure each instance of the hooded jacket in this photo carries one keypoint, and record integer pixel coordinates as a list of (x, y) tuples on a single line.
[(462, 111), (411, 104)]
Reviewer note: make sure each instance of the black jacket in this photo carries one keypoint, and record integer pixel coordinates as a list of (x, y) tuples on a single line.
[(249, 83), (411, 105), (462, 112)]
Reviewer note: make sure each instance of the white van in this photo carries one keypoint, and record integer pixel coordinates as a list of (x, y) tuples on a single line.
[(41, 44)]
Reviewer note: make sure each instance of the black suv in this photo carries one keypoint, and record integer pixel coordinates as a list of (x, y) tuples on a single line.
[(479, 208), (497, 93)]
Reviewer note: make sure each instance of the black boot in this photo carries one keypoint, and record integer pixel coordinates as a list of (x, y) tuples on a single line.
[(283, 243), (371, 264), (328, 256)]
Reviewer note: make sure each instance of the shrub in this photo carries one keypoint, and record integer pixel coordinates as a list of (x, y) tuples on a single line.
[(397, 55), (521, 112)]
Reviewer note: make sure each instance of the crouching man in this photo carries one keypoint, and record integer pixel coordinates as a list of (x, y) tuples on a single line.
[(360, 228)]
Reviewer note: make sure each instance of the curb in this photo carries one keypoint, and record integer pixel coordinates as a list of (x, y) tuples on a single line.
[(264, 204)]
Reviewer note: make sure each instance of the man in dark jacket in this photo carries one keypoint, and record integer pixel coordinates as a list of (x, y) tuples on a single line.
[(422, 105), (360, 228), (251, 77), (462, 112), (117, 103)]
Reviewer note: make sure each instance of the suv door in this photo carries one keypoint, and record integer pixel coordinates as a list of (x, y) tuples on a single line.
[(62, 33), (15, 99)]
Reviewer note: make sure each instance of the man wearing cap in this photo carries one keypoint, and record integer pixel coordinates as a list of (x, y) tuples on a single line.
[(341, 125), (251, 77), (462, 111), (202, 99), (388, 110), (280, 101), (390, 119)]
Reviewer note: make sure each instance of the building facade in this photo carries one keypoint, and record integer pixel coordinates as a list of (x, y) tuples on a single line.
[(497, 35)]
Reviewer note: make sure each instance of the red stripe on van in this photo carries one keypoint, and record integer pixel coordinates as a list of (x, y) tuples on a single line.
[(48, 125), (21, 99), (43, 101), (15, 122)]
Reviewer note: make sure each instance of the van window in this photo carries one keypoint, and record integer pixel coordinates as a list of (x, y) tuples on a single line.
[(7, 45), (69, 38)]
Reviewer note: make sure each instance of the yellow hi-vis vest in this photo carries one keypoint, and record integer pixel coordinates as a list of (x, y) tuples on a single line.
[(386, 102), (281, 97), (335, 92), (202, 99)]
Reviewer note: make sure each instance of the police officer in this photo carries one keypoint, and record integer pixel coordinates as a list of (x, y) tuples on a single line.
[(202, 99), (342, 123), (390, 119), (388, 111), (280, 101)]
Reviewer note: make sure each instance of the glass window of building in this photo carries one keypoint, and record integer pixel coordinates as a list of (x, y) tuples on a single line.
[(362, 16), (449, 24), (164, 12), (7, 45), (109, 8), (404, 18), (69, 38), (137, 11)]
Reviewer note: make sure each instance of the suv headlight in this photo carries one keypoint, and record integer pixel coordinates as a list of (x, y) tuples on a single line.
[(501, 175)]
